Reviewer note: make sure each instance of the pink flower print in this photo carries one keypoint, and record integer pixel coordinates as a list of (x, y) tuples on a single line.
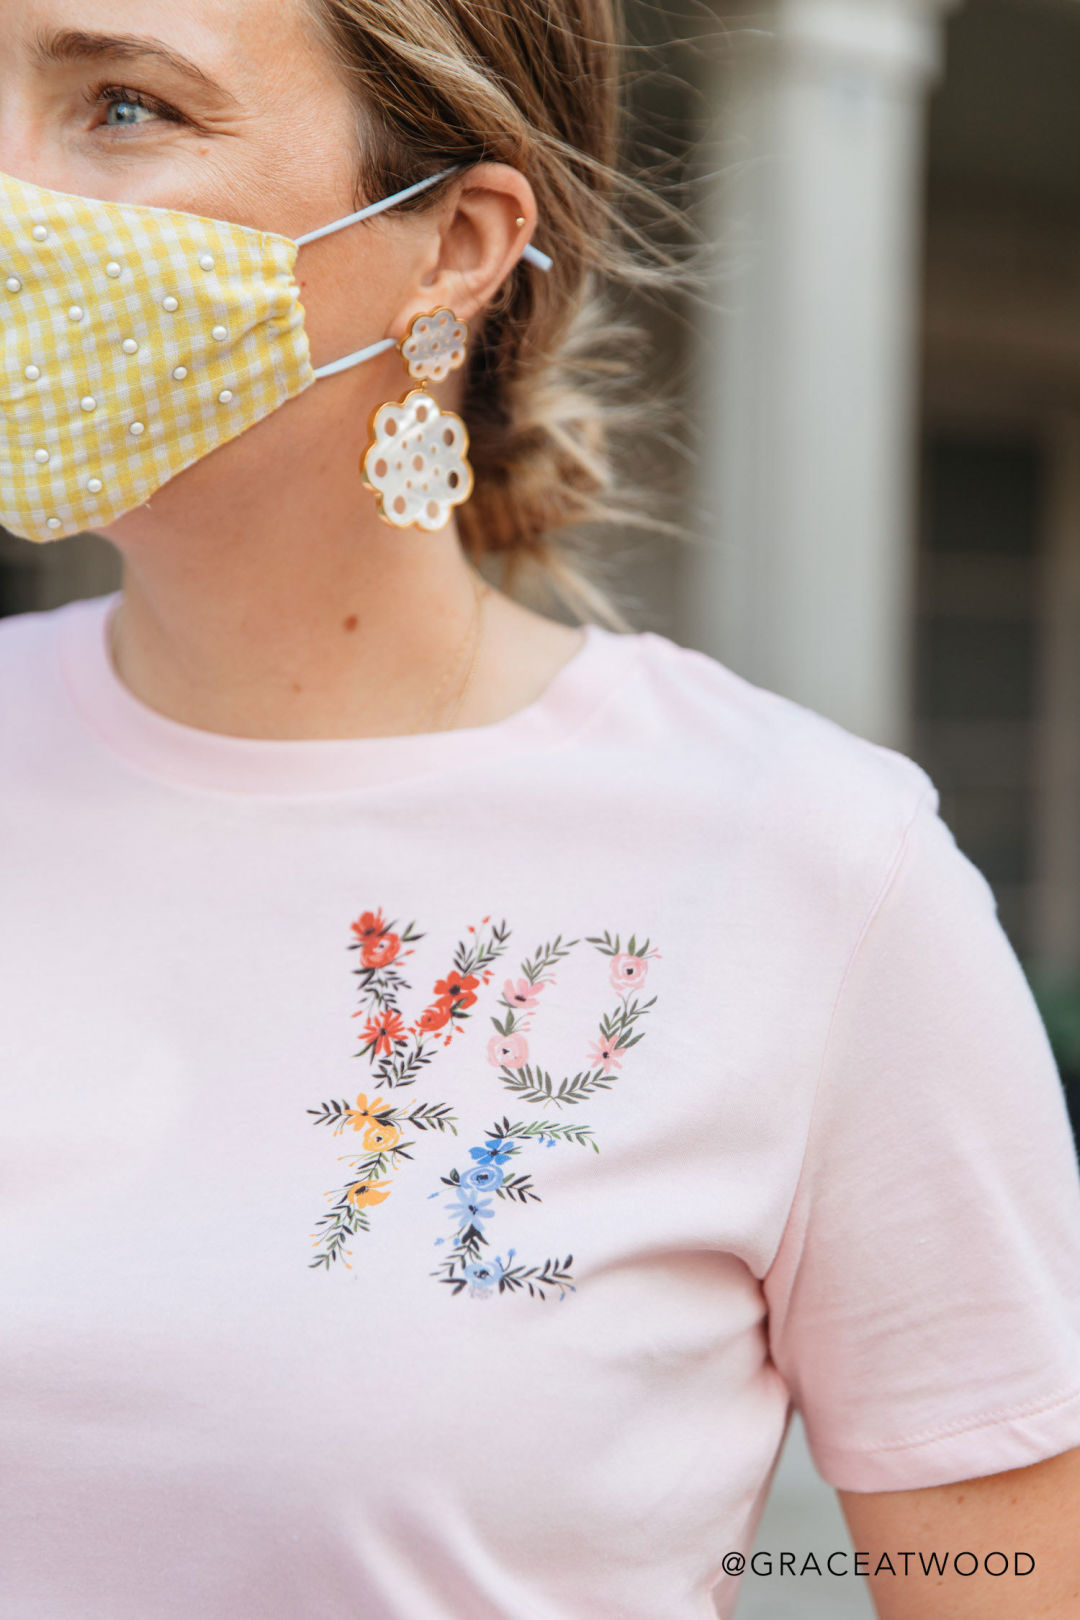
[(602, 1054), (628, 972), (520, 993), (508, 1051)]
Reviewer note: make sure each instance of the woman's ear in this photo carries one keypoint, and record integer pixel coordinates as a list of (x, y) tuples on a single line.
[(478, 239)]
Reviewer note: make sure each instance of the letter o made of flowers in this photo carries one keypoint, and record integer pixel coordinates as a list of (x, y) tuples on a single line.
[(417, 461)]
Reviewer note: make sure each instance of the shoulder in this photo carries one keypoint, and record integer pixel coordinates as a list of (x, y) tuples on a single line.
[(760, 766)]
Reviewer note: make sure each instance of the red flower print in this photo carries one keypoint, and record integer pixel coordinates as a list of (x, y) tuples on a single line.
[(379, 945), (384, 1029), (457, 988), (434, 1017), (377, 952)]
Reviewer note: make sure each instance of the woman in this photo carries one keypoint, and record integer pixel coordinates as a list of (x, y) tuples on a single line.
[(466, 1077)]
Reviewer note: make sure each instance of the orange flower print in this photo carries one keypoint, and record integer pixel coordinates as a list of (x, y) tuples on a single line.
[(378, 944), (383, 1030), (457, 988), (378, 952), (369, 925), (368, 1192), (434, 1017)]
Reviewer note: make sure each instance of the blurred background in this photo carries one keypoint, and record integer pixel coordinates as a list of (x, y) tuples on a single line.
[(879, 476)]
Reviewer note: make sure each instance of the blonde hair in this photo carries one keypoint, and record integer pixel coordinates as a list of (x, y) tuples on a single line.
[(536, 84)]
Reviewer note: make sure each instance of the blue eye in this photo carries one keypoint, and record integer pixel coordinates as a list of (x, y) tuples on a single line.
[(127, 112), (126, 109)]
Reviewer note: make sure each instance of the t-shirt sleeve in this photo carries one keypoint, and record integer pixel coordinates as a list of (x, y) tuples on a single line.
[(924, 1300)]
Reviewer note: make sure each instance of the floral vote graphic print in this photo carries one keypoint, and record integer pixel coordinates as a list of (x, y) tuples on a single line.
[(398, 1053)]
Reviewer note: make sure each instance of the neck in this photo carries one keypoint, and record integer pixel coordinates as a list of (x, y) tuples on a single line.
[(296, 612)]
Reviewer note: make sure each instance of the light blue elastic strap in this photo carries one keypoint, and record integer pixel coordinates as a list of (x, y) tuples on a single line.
[(534, 256)]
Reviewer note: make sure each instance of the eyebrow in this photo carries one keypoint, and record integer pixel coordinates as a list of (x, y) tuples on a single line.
[(77, 45)]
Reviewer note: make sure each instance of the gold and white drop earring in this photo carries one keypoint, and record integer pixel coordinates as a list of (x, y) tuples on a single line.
[(416, 460)]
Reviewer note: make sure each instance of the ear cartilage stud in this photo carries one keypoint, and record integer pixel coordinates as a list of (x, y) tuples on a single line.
[(13, 284), (170, 303), (112, 268), (520, 220)]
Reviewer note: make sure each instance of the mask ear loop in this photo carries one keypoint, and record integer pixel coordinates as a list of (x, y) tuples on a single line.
[(534, 256)]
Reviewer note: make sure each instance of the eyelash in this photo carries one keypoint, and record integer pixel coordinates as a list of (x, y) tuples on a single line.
[(103, 94)]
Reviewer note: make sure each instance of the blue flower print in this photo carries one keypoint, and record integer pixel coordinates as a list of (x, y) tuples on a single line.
[(484, 1274), (494, 1151), (470, 1208), (483, 1176)]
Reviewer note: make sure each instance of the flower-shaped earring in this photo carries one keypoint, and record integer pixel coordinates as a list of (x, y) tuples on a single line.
[(416, 459)]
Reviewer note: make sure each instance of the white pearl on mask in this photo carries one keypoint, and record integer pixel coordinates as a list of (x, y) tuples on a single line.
[(218, 333), (93, 485), (206, 261), (225, 396), (33, 372), (13, 284), (179, 372), (170, 303), (75, 313), (129, 346), (40, 232), (41, 456), (112, 268), (53, 523), (88, 402), (137, 427)]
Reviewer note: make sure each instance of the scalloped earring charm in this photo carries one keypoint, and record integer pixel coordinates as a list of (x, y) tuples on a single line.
[(416, 462)]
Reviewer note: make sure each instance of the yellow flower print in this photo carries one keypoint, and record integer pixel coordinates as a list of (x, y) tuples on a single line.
[(363, 1116), (377, 1137), (366, 1193)]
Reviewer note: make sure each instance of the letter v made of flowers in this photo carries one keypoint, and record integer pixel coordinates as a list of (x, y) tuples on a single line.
[(397, 1052), (465, 1265)]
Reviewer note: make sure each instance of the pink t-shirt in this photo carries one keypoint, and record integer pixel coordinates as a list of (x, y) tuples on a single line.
[(432, 1165)]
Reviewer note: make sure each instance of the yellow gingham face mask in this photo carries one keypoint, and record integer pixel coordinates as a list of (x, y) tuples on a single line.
[(136, 340)]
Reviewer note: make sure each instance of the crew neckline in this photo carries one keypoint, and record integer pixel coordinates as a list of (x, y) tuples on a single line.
[(179, 753)]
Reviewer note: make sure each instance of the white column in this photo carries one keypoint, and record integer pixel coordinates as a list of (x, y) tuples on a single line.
[(1056, 912), (803, 578)]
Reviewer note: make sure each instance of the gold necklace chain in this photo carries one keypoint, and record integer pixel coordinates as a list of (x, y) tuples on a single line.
[(475, 629)]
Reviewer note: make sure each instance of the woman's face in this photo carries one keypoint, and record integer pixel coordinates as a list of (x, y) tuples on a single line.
[(232, 109)]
